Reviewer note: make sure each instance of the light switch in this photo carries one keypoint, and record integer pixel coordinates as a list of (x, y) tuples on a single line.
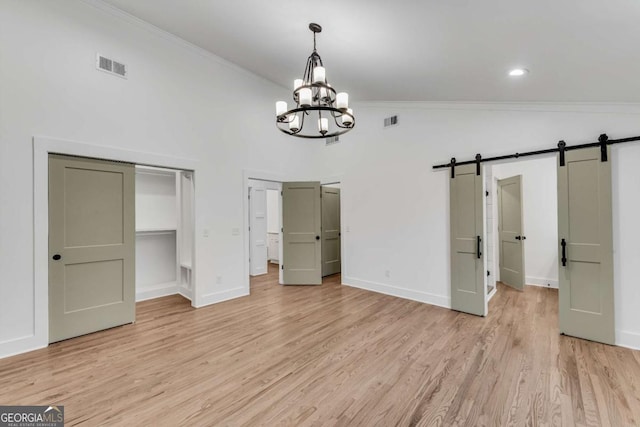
[(235, 231), (205, 232)]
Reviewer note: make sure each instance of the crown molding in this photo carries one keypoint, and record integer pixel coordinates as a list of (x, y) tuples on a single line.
[(632, 108)]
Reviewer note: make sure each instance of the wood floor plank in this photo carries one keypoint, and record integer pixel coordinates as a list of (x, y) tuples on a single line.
[(332, 355)]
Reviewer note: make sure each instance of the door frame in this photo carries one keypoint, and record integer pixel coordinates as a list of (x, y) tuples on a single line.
[(248, 174), (42, 147), (267, 185)]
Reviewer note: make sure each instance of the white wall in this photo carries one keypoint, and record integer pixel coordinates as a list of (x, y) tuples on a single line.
[(539, 215), (273, 211), (396, 208), (178, 101), (156, 204)]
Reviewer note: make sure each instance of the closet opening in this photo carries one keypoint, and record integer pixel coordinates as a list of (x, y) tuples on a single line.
[(164, 232)]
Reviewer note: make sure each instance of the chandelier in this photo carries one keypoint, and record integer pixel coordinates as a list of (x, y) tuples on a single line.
[(328, 112)]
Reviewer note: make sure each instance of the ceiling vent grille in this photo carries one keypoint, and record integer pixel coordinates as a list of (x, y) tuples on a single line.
[(390, 121), (111, 66), (332, 140)]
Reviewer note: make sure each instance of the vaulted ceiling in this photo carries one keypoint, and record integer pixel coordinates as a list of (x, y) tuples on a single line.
[(424, 50)]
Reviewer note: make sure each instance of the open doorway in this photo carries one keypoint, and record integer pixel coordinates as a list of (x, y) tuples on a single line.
[(315, 237), (265, 219), (164, 232), (522, 224)]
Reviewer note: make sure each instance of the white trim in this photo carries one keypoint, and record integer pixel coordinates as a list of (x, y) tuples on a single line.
[(628, 339), (157, 291), (42, 146), (184, 44), (492, 293), (542, 282), (396, 291), (248, 174), (216, 297), (632, 108)]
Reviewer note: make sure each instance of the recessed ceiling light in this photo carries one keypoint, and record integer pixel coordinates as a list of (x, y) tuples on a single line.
[(518, 72)]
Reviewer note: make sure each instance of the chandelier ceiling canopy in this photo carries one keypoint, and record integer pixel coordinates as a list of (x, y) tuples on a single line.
[(325, 111)]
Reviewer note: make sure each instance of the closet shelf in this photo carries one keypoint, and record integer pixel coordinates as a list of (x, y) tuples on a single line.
[(155, 230)]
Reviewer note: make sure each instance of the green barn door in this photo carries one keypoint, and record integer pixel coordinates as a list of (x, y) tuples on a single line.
[(585, 246), (467, 266)]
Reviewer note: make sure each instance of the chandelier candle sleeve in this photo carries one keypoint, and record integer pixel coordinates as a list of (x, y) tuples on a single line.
[(323, 125), (319, 75), (281, 108), (305, 97), (297, 83), (342, 100), (346, 118), (294, 125)]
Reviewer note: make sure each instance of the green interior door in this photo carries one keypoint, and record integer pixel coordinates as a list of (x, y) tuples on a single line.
[(586, 246), (467, 226), (331, 257), (301, 223), (91, 246), (510, 236)]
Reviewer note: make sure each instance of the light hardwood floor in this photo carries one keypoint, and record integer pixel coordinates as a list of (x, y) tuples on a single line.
[(332, 355)]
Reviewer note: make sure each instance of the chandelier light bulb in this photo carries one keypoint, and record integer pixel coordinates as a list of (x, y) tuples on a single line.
[(342, 100), (281, 108), (319, 75)]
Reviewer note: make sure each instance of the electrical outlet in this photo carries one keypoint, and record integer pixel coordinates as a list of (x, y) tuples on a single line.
[(205, 232), (218, 280), (235, 231), (387, 273)]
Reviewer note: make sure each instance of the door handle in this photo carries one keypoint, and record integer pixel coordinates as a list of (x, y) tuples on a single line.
[(478, 250), (518, 237), (563, 243), (57, 257), (317, 237)]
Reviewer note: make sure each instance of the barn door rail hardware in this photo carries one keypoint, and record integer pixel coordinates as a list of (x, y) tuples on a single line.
[(603, 142)]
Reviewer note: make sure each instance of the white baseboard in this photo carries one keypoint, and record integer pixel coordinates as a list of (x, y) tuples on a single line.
[(185, 292), (541, 281), (21, 345), (221, 296), (396, 291), (628, 339), (156, 291)]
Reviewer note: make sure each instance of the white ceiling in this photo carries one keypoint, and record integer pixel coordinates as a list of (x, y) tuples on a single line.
[(424, 50)]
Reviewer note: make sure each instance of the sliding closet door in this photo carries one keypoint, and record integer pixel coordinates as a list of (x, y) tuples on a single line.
[(585, 246), (467, 267), (91, 246)]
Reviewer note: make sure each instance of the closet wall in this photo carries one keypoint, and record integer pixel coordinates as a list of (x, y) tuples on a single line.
[(164, 235)]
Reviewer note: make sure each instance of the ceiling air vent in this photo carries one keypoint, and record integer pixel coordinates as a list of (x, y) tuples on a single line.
[(333, 140), (390, 121), (111, 66)]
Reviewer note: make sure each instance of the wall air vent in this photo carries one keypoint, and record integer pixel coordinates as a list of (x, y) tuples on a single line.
[(390, 121), (332, 140), (111, 66)]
